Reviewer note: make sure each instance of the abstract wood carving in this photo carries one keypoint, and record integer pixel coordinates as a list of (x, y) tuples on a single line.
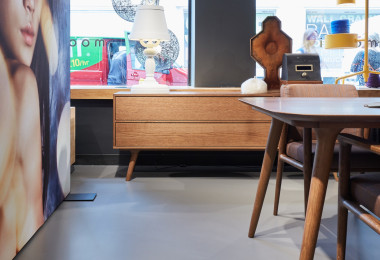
[(268, 47)]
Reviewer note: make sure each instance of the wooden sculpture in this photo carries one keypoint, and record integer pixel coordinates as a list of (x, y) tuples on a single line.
[(268, 47)]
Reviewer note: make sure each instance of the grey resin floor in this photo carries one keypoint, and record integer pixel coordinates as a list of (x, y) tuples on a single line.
[(193, 213)]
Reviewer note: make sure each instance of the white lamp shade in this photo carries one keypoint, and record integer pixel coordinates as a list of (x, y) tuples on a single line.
[(150, 24)]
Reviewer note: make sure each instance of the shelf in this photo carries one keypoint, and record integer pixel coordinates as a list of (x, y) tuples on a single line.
[(341, 41), (107, 92)]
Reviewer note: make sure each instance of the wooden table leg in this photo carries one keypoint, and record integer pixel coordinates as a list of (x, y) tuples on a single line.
[(326, 138), (132, 163), (266, 169)]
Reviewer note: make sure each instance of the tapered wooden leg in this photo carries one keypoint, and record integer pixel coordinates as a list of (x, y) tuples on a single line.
[(343, 191), (132, 163), (321, 168), (307, 164), (280, 169), (336, 177), (269, 157), (342, 232)]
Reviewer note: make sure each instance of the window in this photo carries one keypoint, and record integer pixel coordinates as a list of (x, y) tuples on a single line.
[(317, 15), (101, 54)]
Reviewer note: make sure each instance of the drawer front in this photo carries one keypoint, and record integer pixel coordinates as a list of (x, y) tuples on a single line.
[(184, 109), (191, 135)]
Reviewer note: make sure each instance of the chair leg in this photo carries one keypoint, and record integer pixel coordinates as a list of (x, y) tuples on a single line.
[(342, 232), (280, 168), (306, 184), (307, 164), (343, 192)]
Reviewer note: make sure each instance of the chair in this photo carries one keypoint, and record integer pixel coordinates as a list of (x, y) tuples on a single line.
[(358, 191), (296, 146)]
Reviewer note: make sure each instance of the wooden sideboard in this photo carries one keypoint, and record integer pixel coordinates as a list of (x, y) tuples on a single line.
[(368, 92), (187, 121)]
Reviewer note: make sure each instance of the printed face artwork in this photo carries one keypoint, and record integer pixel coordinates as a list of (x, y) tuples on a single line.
[(19, 21)]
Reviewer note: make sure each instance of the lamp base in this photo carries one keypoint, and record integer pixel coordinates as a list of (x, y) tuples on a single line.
[(149, 87)]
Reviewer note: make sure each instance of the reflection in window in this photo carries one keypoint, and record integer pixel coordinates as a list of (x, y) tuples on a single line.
[(317, 16), (101, 54)]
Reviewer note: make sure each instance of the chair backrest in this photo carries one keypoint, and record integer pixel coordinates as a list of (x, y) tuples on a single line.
[(322, 90)]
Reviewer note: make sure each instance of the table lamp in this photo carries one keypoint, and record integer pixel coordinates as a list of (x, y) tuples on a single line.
[(150, 29)]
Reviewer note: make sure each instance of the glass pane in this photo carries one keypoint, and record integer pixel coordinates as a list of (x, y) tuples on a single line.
[(101, 54), (317, 15)]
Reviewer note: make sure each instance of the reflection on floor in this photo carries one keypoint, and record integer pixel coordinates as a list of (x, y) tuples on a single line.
[(187, 213)]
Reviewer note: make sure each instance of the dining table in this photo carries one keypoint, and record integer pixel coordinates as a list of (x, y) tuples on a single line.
[(327, 116)]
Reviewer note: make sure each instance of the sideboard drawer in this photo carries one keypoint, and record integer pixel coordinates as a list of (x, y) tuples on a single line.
[(165, 135), (191, 108)]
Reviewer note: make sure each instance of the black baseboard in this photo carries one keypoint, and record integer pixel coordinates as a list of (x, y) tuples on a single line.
[(175, 157), (248, 159)]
